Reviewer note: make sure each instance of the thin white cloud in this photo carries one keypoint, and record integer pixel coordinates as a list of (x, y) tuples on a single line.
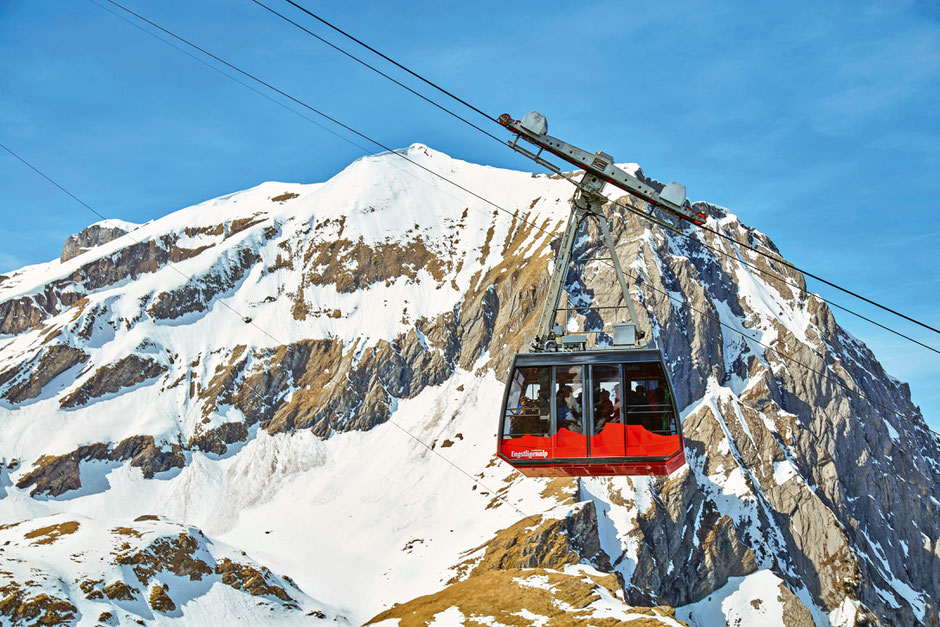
[(870, 79)]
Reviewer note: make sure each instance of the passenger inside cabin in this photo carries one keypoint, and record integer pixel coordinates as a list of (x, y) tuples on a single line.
[(640, 408), (639, 396), (528, 407), (603, 411), (568, 408)]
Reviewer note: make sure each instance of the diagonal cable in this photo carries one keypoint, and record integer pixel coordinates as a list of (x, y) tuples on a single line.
[(837, 381), (224, 304), (394, 62), (493, 118), (378, 71)]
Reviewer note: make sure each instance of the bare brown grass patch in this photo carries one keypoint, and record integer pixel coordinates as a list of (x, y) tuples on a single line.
[(50, 534)]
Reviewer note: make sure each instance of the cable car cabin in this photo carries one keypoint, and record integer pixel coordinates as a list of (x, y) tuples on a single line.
[(609, 412)]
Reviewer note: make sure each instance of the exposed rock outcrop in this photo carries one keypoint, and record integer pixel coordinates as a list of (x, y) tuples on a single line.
[(56, 475), (542, 542), (20, 314), (27, 380), (94, 235), (149, 556), (21, 608), (173, 554), (126, 372), (196, 294), (254, 581), (552, 598)]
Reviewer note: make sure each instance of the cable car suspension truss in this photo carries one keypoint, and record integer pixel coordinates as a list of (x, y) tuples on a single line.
[(533, 128), (588, 202)]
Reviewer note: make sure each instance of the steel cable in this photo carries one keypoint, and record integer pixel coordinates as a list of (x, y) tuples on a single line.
[(532, 224), (494, 119)]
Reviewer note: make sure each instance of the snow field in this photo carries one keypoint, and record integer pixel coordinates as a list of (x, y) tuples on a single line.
[(750, 600), (364, 519)]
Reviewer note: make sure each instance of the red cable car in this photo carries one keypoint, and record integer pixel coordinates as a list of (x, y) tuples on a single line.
[(573, 412), (590, 413)]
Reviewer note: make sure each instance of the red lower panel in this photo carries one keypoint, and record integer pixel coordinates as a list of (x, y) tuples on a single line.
[(526, 447), (601, 469), (609, 443), (570, 444), (565, 444), (639, 442), (547, 457), (642, 443)]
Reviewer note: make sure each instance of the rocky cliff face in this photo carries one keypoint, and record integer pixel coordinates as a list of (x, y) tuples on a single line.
[(312, 374), (148, 567), (94, 235)]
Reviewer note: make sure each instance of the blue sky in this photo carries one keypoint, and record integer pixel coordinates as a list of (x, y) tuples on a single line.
[(817, 123)]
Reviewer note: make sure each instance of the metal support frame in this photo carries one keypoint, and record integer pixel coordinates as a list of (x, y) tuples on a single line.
[(533, 129), (586, 203)]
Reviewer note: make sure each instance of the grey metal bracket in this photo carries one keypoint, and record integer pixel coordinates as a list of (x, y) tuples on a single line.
[(587, 203)]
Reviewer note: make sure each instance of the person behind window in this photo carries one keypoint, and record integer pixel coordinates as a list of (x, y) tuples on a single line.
[(639, 396), (603, 411), (568, 408), (561, 403)]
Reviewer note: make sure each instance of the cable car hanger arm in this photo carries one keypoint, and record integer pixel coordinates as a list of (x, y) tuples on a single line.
[(533, 128)]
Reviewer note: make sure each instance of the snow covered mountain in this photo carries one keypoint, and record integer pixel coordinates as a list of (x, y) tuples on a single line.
[(280, 405)]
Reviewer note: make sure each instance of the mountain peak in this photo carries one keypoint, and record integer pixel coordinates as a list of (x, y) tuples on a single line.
[(418, 147), (94, 235), (236, 366)]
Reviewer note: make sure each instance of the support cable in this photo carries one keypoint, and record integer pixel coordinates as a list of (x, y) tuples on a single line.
[(786, 263), (740, 259), (769, 274), (492, 118), (224, 304), (229, 76), (366, 151), (378, 71), (515, 216), (307, 106), (784, 358)]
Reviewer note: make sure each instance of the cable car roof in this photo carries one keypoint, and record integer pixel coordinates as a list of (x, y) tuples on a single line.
[(573, 358)]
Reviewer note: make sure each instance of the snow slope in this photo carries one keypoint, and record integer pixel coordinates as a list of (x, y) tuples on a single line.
[(319, 368)]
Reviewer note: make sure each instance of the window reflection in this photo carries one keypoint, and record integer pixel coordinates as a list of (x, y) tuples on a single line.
[(649, 404), (569, 401), (606, 395), (527, 410)]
